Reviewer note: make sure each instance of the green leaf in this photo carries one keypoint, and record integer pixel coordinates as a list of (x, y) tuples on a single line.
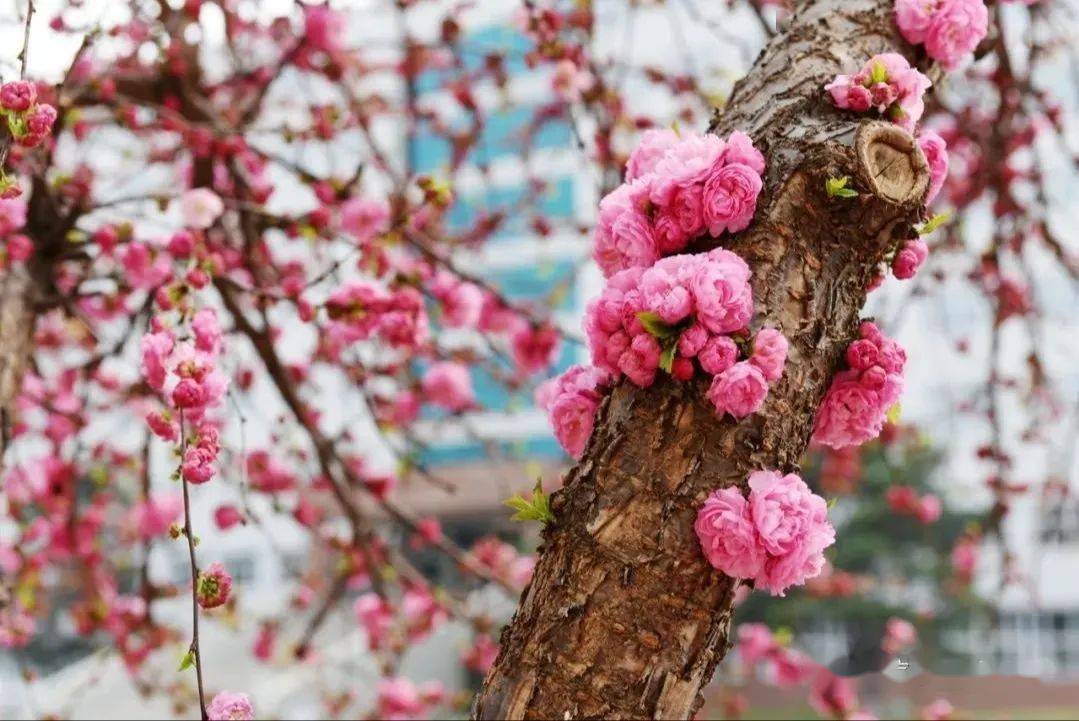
[(837, 188), (666, 359), (878, 73), (894, 413), (188, 660), (656, 327), (933, 223), (536, 509)]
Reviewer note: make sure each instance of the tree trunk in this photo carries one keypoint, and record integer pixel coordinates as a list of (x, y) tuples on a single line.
[(16, 324), (624, 618)]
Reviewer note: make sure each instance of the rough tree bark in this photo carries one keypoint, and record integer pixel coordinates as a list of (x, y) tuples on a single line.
[(624, 618), (25, 288)]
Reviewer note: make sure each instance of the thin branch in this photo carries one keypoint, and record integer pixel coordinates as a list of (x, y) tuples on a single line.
[(194, 648)]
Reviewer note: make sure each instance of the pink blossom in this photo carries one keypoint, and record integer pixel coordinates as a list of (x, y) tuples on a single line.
[(899, 634), (850, 413), (225, 517), (207, 331), (965, 557), (910, 258), (39, 121), (790, 667), (641, 360), (692, 341), (739, 390), (188, 393), (143, 268), (721, 290), (913, 17), (399, 699), (481, 655), (681, 219), (572, 417), (156, 347), (755, 642), (935, 150), (376, 617), (769, 353), (624, 236), (888, 84), (156, 514), (230, 706), (18, 95), (650, 150), (740, 150), (12, 215), (857, 401), (665, 295), (929, 509), (534, 348), (364, 218), (792, 525), (163, 426), (727, 535), (571, 401), (462, 302), (213, 587), (718, 354), (198, 465), (200, 207), (730, 198), (448, 384), (690, 161), (955, 30), (570, 81), (324, 28), (831, 695), (847, 94), (421, 611), (939, 710)]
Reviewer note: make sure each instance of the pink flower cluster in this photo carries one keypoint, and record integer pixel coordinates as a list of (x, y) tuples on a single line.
[(571, 401), (777, 537), (856, 404), (950, 29), (361, 309), (29, 121), (448, 384), (677, 187), (679, 315), (400, 699), (887, 84), (186, 374)]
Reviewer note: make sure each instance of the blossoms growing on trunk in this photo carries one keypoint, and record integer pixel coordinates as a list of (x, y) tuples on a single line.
[(887, 85), (776, 537), (949, 29), (681, 314), (677, 187), (856, 404)]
